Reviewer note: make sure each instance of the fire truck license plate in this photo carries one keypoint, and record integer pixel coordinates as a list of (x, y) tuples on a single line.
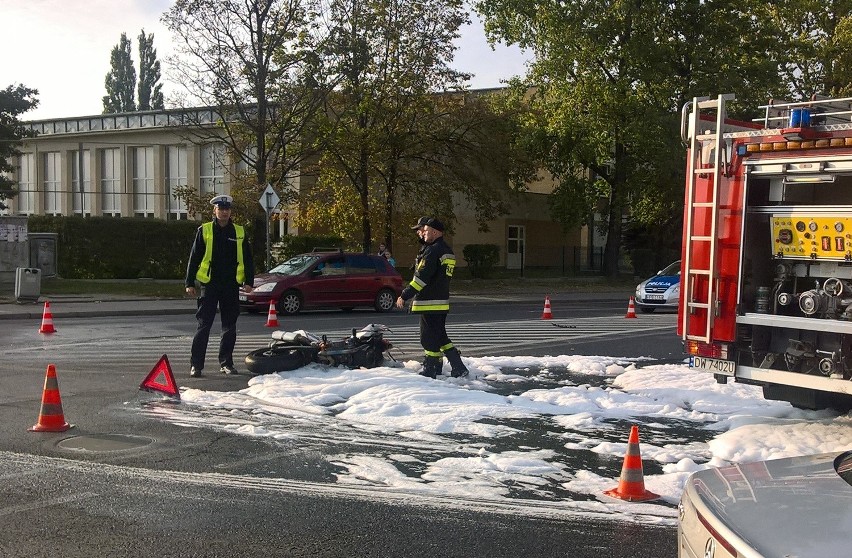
[(716, 366)]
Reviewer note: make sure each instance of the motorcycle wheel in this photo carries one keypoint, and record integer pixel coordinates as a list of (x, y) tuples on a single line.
[(269, 361)]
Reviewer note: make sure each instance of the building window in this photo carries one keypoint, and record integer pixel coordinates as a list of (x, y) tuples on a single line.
[(81, 198), (52, 183), (212, 169), (143, 181), (176, 170), (111, 182), (244, 165), (26, 197)]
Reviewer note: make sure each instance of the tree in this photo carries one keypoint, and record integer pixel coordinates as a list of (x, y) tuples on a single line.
[(254, 62), (150, 90), (816, 46), (120, 81), (14, 101), (608, 82), (387, 59), (451, 146)]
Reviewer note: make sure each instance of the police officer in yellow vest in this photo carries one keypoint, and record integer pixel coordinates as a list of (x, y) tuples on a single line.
[(220, 261)]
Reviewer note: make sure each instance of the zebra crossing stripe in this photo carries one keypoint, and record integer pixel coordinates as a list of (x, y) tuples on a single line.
[(480, 337)]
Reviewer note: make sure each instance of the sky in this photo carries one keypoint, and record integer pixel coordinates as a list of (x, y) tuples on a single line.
[(62, 48), (462, 441)]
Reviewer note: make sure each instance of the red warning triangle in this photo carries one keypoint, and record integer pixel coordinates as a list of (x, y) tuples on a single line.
[(167, 385)]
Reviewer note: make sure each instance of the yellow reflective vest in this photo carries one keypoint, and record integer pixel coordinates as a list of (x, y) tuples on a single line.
[(203, 273)]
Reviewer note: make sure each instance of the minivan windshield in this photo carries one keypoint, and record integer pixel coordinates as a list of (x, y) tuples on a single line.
[(295, 265)]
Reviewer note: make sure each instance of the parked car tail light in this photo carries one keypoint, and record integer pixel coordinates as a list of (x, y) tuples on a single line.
[(712, 350), (717, 537)]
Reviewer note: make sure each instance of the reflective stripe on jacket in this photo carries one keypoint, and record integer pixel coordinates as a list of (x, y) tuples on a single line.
[(430, 286)]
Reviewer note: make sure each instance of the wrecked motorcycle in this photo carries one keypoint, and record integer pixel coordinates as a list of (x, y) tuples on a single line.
[(289, 350)]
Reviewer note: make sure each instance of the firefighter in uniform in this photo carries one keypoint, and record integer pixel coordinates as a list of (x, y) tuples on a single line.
[(221, 262), (430, 291)]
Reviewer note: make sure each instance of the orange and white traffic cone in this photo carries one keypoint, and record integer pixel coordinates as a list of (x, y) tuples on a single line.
[(51, 418), (546, 314), (272, 317), (631, 485), (631, 309), (47, 320)]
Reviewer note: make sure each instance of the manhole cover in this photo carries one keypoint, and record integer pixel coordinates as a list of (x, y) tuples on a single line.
[(105, 442)]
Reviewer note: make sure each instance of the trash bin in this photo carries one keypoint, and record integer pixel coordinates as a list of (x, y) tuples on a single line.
[(27, 284)]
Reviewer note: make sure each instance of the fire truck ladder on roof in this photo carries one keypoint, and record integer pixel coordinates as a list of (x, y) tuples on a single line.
[(702, 294), (739, 489)]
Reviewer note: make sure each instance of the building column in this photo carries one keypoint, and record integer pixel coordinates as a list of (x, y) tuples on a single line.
[(193, 172), (160, 190), (95, 177), (125, 173), (66, 182)]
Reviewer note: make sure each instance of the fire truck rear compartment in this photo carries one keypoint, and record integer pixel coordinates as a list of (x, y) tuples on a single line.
[(795, 350), (796, 263)]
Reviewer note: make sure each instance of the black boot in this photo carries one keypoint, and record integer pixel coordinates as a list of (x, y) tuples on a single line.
[(459, 370), (432, 366)]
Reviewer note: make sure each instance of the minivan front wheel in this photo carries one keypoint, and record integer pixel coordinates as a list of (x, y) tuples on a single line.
[(289, 303)]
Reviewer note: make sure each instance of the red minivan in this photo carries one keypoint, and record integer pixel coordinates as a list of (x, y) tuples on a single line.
[(326, 280)]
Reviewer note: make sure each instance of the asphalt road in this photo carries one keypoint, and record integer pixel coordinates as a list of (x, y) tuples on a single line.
[(122, 483), (78, 508)]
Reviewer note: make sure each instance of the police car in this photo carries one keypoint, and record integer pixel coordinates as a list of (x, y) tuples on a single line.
[(660, 291)]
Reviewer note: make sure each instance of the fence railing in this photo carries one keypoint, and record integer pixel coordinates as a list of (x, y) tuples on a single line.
[(563, 260)]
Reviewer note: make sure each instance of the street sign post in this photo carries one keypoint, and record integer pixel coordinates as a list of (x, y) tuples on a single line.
[(269, 200)]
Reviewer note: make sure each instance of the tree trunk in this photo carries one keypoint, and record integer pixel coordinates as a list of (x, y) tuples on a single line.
[(615, 212), (364, 191), (390, 201), (612, 250)]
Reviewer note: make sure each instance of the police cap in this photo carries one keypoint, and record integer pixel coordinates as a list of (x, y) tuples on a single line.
[(222, 200)]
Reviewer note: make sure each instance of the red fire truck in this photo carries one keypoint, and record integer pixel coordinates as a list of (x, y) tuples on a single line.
[(766, 277)]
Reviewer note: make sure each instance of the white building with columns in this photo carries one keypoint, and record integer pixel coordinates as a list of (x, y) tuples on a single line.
[(121, 165)]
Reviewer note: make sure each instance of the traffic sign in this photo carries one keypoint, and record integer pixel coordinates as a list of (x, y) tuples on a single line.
[(269, 199)]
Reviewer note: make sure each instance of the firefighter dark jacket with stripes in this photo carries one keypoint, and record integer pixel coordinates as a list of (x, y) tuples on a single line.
[(430, 286)]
